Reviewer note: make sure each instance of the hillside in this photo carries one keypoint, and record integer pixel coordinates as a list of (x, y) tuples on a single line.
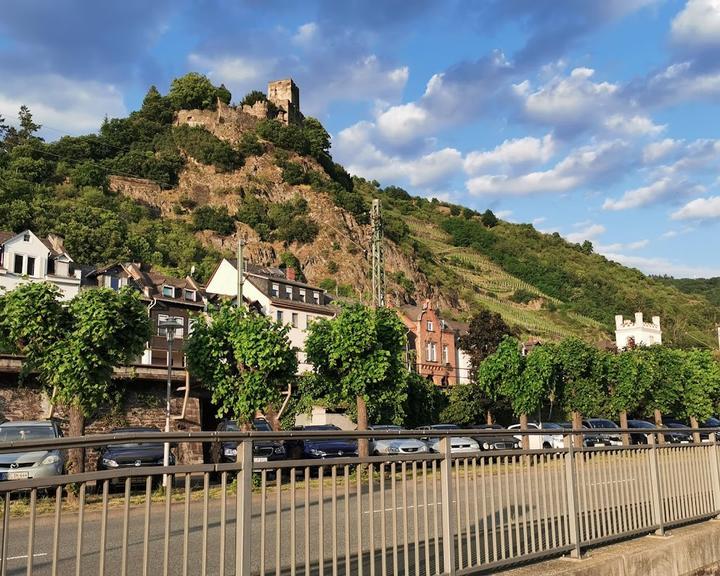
[(179, 181)]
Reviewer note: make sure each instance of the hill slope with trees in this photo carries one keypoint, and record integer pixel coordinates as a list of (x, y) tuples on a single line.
[(147, 188)]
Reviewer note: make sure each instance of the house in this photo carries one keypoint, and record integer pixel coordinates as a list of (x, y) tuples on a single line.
[(637, 332), (167, 298), (24, 257), (277, 294), (433, 349)]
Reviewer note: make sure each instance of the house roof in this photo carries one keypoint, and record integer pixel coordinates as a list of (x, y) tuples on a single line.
[(412, 313), (5, 236), (272, 273)]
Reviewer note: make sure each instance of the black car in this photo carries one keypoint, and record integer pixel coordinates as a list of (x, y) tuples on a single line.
[(644, 430), (322, 448), (588, 439), (677, 437), (602, 438), (263, 450), (499, 442), (132, 454)]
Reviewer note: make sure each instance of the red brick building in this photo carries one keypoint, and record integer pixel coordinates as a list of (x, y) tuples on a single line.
[(433, 350)]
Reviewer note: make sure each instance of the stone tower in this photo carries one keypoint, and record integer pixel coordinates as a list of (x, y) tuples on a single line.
[(286, 96)]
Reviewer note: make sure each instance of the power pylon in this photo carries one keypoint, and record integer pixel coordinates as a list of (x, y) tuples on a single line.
[(378, 256)]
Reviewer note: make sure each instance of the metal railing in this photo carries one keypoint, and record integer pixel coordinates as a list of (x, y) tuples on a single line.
[(444, 512)]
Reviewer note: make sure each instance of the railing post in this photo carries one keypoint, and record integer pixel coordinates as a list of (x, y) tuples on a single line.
[(715, 473), (656, 486), (571, 490), (243, 532), (448, 520)]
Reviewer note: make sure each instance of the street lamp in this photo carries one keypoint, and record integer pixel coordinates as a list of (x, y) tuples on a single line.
[(169, 326)]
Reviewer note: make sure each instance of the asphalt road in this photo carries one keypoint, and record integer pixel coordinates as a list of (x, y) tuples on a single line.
[(510, 511)]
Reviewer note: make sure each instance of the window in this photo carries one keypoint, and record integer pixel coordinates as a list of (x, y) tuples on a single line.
[(429, 326), (446, 354), (295, 319), (26, 237), (114, 282), (168, 291), (190, 295), (302, 295), (430, 352), (288, 292), (30, 270), (162, 318), (275, 290), (18, 268), (279, 315), (316, 297)]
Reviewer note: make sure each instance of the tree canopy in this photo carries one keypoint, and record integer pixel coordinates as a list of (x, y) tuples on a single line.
[(486, 331)]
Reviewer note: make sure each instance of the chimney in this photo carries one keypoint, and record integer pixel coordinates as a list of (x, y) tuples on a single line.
[(290, 273)]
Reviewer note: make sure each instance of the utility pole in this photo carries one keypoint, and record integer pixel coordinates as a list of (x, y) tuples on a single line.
[(378, 256), (240, 271)]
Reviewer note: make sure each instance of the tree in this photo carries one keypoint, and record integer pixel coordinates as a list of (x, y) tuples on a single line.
[(630, 378), (487, 329), (252, 97), (156, 107), (489, 219), (74, 349), (243, 358), (318, 138), (467, 405), (359, 358), (192, 91), (223, 94), (700, 386), (13, 137), (424, 402)]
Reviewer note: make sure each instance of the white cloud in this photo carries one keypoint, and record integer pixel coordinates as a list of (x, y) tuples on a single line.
[(241, 73), (637, 125), (504, 214), (660, 266), (698, 24), (62, 104), (680, 82), (363, 157), (305, 34), (659, 190), (590, 232), (658, 150), (617, 246), (582, 167), (699, 209), (539, 220), (400, 124), (517, 152)]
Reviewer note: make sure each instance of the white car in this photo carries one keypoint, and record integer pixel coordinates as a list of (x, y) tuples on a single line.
[(386, 446), (458, 444), (551, 440)]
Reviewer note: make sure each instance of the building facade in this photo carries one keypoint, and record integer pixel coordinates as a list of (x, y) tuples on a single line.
[(433, 350), (277, 294), (168, 298), (24, 257), (637, 332)]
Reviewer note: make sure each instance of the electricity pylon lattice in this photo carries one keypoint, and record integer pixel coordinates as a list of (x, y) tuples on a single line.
[(378, 257)]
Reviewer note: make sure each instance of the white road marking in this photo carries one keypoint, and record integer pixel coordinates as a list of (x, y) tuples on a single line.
[(24, 557)]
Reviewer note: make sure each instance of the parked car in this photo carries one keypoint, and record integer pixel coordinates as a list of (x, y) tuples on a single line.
[(133, 454), (640, 437), (321, 448), (710, 423), (30, 464), (499, 442), (263, 450), (385, 446), (677, 437), (588, 438), (603, 438), (458, 444), (553, 439)]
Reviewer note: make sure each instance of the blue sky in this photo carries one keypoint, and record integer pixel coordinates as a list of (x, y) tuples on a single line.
[(598, 119)]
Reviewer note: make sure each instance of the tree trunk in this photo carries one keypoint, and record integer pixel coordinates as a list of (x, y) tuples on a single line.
[(523, 427), (624, 424), (659, 424), (577, 425), (272, 419), (362, 424), (694, 425), (488, 417), (76, 456)]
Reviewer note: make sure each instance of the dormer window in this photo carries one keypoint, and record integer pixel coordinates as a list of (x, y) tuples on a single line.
[(275, 290), (26, 237), (168, 291), (302, 295), (316, 297), (190, 295), (288, 292)]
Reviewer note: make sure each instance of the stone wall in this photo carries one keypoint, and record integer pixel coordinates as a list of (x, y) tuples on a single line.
[(227, 122), (133, 403)]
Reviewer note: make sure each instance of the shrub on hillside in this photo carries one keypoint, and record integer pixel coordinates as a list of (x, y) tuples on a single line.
[(207, 148), (212, 218)]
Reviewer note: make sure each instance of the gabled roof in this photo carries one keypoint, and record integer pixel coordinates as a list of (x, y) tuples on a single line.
[(5, 236)]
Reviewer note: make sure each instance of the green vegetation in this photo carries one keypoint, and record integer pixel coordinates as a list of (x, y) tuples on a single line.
[(195, 91), (211, 218)]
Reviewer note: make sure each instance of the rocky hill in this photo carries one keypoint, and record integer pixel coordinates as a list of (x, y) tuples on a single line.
[(178, 182)]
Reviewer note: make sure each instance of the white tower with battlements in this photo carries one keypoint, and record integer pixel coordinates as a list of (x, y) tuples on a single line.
[(638, 331)]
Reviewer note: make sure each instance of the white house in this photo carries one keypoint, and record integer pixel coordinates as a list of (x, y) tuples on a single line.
[(276, 294), (638, 331), (26, 258)]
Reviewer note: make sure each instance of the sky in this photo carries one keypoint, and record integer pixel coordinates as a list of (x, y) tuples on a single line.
[(597, 119)]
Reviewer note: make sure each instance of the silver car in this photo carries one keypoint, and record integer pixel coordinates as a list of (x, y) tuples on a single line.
[(37, 463), (385, 446), (458, 444)]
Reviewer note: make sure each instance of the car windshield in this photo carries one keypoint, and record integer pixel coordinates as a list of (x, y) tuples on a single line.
[(135, 431), (13, 433), (321, 428), (603, 423), (712, 423), (445, 427), (262, 425), (640, 424), (551, 426), (675, 425), (385, 427)]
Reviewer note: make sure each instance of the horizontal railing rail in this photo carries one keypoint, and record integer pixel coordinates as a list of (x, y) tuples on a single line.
[(303, 502)]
